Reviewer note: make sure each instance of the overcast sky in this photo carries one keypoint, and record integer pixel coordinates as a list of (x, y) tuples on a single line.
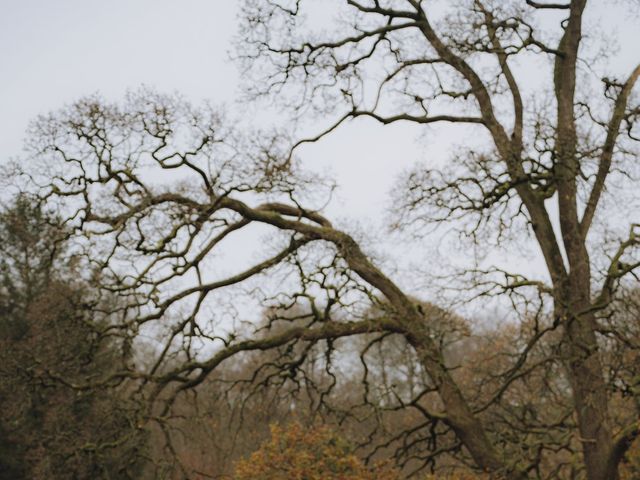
[(54, 51)]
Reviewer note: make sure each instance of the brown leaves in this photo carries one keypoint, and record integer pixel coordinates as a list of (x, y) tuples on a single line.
[(316, 453)]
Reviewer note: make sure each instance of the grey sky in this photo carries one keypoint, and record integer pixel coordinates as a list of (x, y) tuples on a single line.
[(52, 52)]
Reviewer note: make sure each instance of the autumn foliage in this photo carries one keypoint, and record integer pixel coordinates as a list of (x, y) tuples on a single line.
[(295, 452)]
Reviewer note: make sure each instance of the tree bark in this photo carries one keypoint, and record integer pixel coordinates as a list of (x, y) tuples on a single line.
[(589, 390)]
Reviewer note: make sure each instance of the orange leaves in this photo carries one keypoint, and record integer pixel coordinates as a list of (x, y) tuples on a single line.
[(316, 453)]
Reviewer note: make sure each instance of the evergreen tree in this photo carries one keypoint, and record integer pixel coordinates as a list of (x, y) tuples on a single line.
[(57, 422)]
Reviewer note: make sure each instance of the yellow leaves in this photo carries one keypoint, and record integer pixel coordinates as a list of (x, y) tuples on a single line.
[(315, 453)]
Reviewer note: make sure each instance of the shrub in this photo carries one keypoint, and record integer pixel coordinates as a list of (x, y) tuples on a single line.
[(316, 453)]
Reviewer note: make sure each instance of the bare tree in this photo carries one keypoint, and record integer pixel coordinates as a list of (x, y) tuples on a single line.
[(112, 169), (463, 64)]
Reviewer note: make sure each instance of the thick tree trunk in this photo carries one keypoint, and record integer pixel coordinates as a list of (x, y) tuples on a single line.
[(573, 294), (589, 388)]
